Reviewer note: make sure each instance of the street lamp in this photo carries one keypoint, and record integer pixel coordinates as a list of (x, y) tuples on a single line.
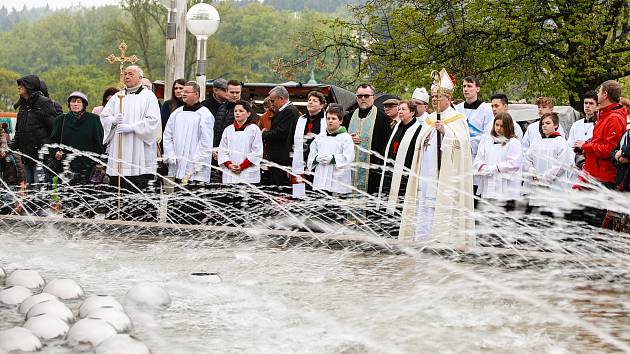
[(171, 35), (202, 21)]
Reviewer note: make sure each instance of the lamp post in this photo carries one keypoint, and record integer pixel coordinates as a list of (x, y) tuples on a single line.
[(202, 21), (171, 36)]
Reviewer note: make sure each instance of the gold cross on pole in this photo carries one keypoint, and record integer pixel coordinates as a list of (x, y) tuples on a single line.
[(122, 59)]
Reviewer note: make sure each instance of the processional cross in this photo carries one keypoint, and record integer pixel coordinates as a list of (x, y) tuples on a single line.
[(122, 59)]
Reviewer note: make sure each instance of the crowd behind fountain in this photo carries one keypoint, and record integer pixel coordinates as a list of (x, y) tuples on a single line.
[(418, 168)]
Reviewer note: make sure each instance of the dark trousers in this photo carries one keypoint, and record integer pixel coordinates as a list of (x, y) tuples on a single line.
[(591, 215), (188, 205), (137, 200)]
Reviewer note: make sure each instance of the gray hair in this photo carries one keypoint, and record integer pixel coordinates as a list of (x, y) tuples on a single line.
[(137, 69), (194, 85), (279, 91)]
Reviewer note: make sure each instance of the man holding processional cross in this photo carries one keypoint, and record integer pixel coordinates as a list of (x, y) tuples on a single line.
[(131, 124), (438, 204)]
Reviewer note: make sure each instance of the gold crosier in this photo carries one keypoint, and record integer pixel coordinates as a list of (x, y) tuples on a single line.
[(435, 76), (122, 59)]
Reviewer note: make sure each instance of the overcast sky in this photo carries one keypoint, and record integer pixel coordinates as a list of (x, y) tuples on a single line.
[(55, 4)]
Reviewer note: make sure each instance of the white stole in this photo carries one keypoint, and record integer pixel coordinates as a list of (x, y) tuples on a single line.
[(297, 163)]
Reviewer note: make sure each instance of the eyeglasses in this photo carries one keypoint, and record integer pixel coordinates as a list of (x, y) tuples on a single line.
[(364, 97)]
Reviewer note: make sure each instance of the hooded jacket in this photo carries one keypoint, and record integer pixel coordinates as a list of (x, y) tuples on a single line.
[(35, 118), (608, 130)]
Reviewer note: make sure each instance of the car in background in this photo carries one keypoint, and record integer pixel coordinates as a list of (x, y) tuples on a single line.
[(298, 92)]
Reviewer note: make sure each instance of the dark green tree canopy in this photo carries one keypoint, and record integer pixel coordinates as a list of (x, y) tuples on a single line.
[(526, 47)]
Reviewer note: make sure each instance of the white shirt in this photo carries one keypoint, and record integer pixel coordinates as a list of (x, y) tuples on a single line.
[(188, 140), (335, 177), (236, 146), (532, 135), (500, 165)]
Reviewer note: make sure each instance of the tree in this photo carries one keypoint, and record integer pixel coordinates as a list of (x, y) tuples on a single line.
[(554, 47), (8, 89), (89, 79)]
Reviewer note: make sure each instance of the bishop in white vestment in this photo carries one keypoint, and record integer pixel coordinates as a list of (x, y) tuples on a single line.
[(439, 205)]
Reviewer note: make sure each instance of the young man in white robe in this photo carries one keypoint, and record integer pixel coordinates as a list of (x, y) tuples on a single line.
[(188, 152), (478, 115), (532, 134), (132, 131), (438, 202), (188, 139), (499, 104), (582, 131)]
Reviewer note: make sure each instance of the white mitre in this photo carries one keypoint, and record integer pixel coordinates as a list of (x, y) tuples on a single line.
[(420, 94)]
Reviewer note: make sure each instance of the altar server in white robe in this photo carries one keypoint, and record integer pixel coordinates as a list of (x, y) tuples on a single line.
[(332, 154), (188, 138), (532, 134), (478, 113), (302, 133), (581, 131), (241, 148), (132, 132), (499, 162), (499, 104), (545, 165), (439, 205)]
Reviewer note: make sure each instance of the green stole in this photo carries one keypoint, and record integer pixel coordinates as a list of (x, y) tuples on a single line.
[(363, 128)]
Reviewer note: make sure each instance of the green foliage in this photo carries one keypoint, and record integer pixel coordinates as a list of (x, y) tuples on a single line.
[(89, 79), (8, 89), (8, 19), (302, 5), (526, 47)]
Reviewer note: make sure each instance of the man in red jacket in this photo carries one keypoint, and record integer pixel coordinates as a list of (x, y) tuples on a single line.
[(608, 130)]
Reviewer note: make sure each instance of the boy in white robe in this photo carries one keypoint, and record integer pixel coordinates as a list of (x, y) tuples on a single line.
[(498, 163), (188, 138), (241, 148), (546, 164), (532, 134), (438, 202), (331, 155)]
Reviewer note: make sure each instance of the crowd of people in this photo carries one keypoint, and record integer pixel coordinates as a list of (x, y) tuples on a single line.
[(423, 160)]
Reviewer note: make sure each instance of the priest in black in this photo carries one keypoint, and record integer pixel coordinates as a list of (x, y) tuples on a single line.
[(370, 130)]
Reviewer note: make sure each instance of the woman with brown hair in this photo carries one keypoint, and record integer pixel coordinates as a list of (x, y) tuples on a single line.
[(174, 103)]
